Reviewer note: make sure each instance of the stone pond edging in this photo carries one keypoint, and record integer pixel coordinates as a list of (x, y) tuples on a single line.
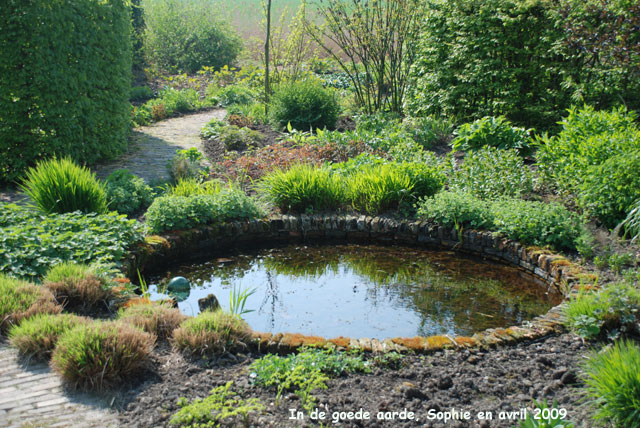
[(553, 270)]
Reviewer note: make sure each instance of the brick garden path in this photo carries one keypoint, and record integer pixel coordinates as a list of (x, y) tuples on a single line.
[(32, 396)]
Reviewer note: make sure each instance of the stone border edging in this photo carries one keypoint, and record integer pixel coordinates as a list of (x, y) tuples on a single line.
[(552, 269)]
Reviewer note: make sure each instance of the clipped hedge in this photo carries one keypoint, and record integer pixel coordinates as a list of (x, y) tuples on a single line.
[(65, 72)]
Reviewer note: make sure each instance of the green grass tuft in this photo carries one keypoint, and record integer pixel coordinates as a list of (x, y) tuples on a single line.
[(212, 332)]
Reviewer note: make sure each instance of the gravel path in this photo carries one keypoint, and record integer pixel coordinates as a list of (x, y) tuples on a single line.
[(32, 396)]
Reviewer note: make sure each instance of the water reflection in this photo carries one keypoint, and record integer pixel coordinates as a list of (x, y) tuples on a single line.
[(367, 291)]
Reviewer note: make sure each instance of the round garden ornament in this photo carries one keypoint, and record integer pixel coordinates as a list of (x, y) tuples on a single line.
[(179, 284)]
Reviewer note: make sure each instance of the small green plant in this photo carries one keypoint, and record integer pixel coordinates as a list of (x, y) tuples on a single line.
[(612, 379), (238, 300), (618, 261), (305, 105), (585, 244), (140, 93), (37, 336), (212, 129), (631, 224), (212, 332), (302, 188), (389, 360), (226, 96), (186, 164), (61, 186), (601, 262), (456, 209), (379, 188), (101, 355), (193, 186), (235, 138), (428, 131), (20, 299), (544, 416), (127, 193), (221, 407), (492, 131)]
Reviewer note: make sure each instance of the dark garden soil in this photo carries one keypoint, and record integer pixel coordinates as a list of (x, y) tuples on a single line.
[(499, 380)]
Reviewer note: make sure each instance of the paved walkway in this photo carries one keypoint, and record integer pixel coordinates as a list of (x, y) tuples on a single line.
[(32, 396)]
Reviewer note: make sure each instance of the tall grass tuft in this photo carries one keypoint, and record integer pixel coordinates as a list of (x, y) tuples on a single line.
[(631, 224), (192, 186), (612, 380), (379, 188), (62, 186), (303, 188), (21, 299), (212, 332), (159, 319)]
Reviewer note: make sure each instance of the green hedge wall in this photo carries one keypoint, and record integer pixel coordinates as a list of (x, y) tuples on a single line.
[(65, 75)]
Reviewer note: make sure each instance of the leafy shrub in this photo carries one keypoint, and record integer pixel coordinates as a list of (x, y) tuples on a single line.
[(303, 188), (61, 186), (610, 189), (609, 312), (65, 81), (212, 332), (155, 318), (491, 131), (192, 186), (101, 355), (305, 105), (492, 173), (235, 138), (188, 36), (37, 336), (169, 102), (428, 131), (631, 223), (380, 188), (612, 380), (140, 93), (127, 193), (226, 96), (11, 214), (587, 138), (212, 129), (457, 209), (78, 288), (179, 212), (219, 408), (185, 164), (29, 249), (20, 300)]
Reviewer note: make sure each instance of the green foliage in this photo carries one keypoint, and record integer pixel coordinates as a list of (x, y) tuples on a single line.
[(212, 332), (61, 186), (303, 188), (587, 138), (546, 417), (37, 336), (457, 209), (156, 318), (225, 96), (140, 93), (389, 360), (192, 187), (65, 81), (611, 311), (610, 189), (631, 223), (186, 165), (305, 372), (186, 212), (377, 189), (612, 379), (585, 244), (11, 214), (305, 105), (492, 173), (212, 129), (20, 299), (235, 138), (169, 102), (428, 131), (28, 249), (618, 261), (127, 193), (238, 300), (221, 407), (188, 35), (101, 355), (491, 131)]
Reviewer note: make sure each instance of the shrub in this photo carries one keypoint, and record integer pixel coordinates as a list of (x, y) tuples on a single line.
[(212, 129), (78, 288), (492, 173), (179, 212), (303, 188), (28, 249), (186, 164), (65, 82), (226, 96), (37, 336), (192, 186), (428, 131), (457, 209), (61, 186), (305, 105), (155, 318), (188, 36), (220, 408), (212, 332), (235, 138), (140, 93), (610, 311), (610, 189), (491, 131), (587, 138), (612, 380), (379, 188), (101, 355), (20, 300), (127, 193), (631, 223)]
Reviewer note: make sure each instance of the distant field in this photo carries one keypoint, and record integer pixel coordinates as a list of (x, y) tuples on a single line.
[(246, 15)]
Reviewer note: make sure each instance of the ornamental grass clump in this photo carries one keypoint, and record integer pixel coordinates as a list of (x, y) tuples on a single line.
[(101, 355), (212, 332), (79, 288), (156, 318), (612, 380), (62, 186), (20, 299), (37, 336), (379, 188)]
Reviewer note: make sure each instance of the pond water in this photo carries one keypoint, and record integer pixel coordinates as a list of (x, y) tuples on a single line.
[(365, 291)]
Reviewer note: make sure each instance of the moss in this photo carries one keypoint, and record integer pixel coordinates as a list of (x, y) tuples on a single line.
[(414, 343), (435, 343), (341, 342), (296, 340), (561, 262), (465, 342), (156, 240)]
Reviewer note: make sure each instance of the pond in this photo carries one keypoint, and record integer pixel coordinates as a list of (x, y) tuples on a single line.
[(365, 291)]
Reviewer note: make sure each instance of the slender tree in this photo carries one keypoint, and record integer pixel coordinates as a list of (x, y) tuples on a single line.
[(267, 43)]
